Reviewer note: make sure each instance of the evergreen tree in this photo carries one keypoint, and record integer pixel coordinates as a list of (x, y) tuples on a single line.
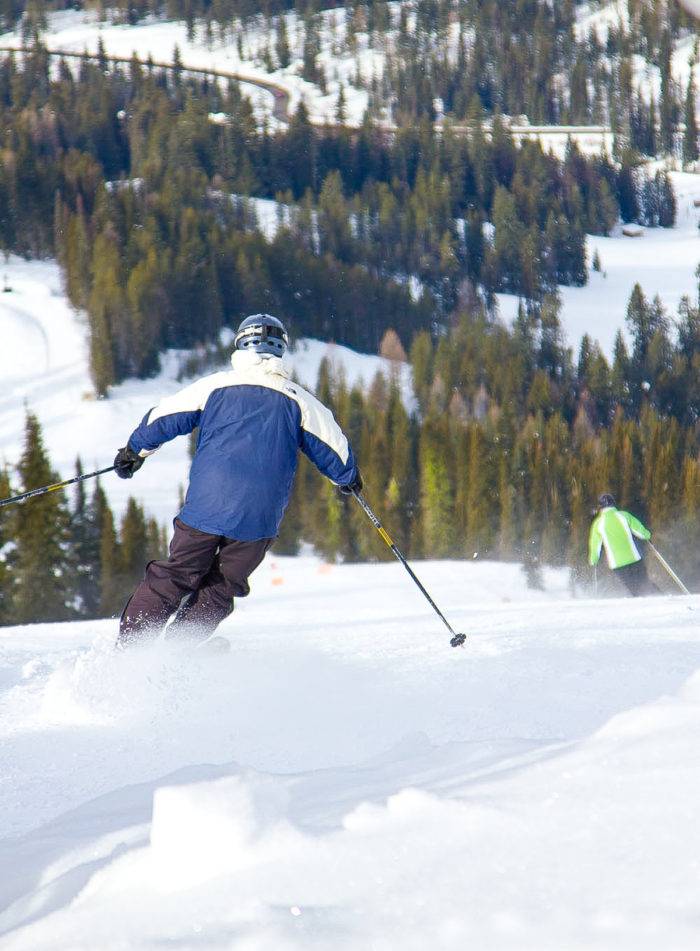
[(284, 56), (41, 562), (84, 551), (5, 552), (627, 194), (436, 494), (690, 135), (112, 594), (133, 547)]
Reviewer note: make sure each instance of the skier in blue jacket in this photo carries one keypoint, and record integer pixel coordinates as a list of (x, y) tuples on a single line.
[(252, 422)]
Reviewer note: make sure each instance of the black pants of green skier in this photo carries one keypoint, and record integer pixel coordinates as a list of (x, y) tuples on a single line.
[(635, 578)]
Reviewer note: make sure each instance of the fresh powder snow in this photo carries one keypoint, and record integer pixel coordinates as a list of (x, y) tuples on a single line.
[(344, 779)]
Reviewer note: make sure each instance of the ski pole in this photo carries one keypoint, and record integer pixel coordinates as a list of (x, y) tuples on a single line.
[(55, 487), (457, 639), (669, 569)]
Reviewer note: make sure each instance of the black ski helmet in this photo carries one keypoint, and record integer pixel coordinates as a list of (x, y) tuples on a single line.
[(606, 500), (262, 333)]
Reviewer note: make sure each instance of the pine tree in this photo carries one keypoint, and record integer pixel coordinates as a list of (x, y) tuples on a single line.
[(111, 587), (341, 107), (689, 530), (5, 551), (106, 309), (509, 236), (312, 48), (437, 494), (481, 521), (333, 222), (133, 547), (284, 56), (627, 194), (690, 135), (666, 200), (422, 367), (148, 308), (667, 103), (41, 561), (621, 373), (85, 551)]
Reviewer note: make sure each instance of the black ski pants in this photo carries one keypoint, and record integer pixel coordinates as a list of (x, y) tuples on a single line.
[(636, 580), (198, 581)]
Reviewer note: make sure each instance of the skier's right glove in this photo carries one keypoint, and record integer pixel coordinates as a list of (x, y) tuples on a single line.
[(127, 462), (354, 486)]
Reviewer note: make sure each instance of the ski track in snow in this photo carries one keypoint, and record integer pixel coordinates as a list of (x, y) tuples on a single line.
[(345, 779)]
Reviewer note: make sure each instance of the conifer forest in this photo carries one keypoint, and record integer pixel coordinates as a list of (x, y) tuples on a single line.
[(395, 237)]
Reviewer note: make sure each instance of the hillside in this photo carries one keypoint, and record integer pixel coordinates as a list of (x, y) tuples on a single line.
[(44, 366), (663, 261), (344, 779), (389, 178)]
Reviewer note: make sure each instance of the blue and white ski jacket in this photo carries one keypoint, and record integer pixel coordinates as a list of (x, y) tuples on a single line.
[(252, 422)]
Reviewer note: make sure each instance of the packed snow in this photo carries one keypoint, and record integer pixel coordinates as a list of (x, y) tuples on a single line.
[(343, 778)]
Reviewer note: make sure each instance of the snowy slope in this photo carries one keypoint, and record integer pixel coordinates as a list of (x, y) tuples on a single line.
[(594, 17), (346, 780), (43, 361), (599, 18), (78, 31), (43, 365), (663, 261), (73, 31)]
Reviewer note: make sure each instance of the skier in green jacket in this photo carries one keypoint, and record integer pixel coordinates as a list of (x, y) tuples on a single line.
[(616, 531)]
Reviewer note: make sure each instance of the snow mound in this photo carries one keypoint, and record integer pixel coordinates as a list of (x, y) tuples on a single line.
[(570, 848), (204, 830)]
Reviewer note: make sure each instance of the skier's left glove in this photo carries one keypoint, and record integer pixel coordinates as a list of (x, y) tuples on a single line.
[(127, 462), (354, 486)]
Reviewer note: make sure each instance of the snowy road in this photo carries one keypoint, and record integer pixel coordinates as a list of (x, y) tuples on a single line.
[(344, 779)]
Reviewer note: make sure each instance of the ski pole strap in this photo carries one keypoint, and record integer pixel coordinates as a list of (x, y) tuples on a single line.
[(669, 569), (55, 487), (457, 639)]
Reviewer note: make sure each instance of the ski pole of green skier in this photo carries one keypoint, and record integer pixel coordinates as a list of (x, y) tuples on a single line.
[(664, 564), (457, 639), (55, 487)]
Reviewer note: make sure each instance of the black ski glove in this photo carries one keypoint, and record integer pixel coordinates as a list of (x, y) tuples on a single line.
[(127, 462), (354, 486)]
